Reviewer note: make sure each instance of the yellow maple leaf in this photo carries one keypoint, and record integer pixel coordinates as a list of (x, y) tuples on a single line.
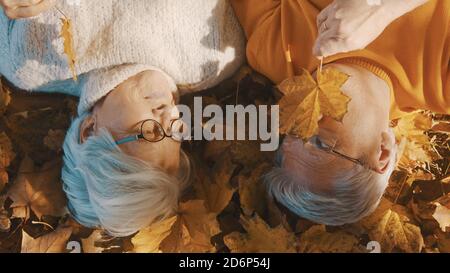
[(413, 127), (255, 198), (318, 240), (192, 231), (214, 187), (442, 212), (54, 242), (252, 192), (306, 101), (66, 34), (415, 146), (39, 189), (391, 226), (149, 239), (260, 238)]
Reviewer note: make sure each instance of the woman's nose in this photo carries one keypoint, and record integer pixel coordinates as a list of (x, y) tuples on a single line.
[(165, 114), (159, 109)]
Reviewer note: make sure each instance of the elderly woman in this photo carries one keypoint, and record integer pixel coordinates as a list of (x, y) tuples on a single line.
[(123, 164), (340, 175)]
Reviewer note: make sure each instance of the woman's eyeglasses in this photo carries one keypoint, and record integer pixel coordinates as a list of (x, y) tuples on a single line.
[(153, 131)]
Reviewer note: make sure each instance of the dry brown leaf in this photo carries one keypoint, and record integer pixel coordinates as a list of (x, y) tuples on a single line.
[(55, 242), (252, 192), (78, 230), (318, 240), (40, 189), (442, 216), (89, 244), (254, 197), (214, 149), (441, 127), (415, 146), (215, 187), (411, 155), (21, 213), (260, 238), (4, 179), (443, 241), (5, 98), (149, 239), (193, 229), (66, 34), (6, 156), (243, 72), (422, 210), (248, 153), (306, 101), (390, 226), (99, 241), (5, 222), (55, 139), (442, 212)]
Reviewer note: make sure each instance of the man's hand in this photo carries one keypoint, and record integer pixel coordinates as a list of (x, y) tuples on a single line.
[(16, 9), (347, 25)]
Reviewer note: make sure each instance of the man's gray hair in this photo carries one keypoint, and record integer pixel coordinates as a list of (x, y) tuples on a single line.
[(108, 189), (356, 193)]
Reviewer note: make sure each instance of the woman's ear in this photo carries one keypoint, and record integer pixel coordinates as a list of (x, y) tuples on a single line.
[(87, 128)]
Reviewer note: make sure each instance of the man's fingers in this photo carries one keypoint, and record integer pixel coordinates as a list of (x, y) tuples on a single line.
[(327, 46), (323, 16)]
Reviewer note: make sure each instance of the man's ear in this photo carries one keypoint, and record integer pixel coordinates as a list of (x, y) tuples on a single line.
[(87, 128), (387, 148)]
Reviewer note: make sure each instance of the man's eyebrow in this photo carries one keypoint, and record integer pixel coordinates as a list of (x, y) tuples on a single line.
[(326, 137), (337, 145)]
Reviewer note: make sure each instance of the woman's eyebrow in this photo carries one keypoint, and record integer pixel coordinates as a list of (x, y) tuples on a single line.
[(134, 128), (137, 125), (172, 101)]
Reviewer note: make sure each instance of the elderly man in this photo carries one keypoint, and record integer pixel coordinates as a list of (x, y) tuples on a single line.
[(397, 55)]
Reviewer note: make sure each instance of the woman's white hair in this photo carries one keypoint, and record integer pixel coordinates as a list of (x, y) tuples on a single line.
[(108, 189), (356, 193)]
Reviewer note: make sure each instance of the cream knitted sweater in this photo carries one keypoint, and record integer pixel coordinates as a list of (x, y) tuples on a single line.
[(196, 43)]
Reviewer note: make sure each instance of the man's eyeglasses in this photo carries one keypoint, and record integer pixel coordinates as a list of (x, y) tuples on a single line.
[(153, 131), (331, 149)]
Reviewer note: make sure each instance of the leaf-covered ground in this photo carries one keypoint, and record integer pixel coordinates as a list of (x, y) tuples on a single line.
[(226, 209)]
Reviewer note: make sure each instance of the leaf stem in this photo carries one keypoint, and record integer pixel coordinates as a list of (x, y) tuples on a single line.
[(321, 64), (43, 223), (60, 11)]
